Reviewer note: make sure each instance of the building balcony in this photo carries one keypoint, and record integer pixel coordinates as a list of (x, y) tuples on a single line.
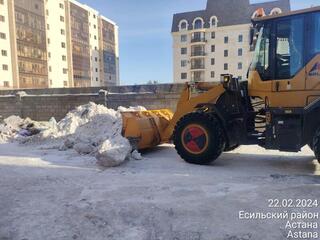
[(197, 66), (198, 54), (198, 40)]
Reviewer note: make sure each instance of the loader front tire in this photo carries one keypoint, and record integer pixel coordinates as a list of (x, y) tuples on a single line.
[(316, 144), (199, 138)]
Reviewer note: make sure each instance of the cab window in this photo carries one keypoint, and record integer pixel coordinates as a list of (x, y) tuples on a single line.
[(289, 47), (315, 35), (262, 53)]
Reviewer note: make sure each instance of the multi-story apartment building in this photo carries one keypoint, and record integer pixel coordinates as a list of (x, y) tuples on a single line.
[(215, 41), (56, 43)]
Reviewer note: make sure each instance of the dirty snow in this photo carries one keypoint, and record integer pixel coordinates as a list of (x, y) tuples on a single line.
[(89, 129), (14, 126), (47, 194)]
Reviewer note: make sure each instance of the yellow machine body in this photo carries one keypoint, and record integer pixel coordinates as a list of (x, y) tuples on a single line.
[(280, 96), (151, 128)]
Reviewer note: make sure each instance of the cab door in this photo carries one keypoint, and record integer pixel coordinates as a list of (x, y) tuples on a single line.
[(289, 54)]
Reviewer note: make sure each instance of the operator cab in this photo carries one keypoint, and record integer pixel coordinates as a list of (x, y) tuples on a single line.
[(287, 50)]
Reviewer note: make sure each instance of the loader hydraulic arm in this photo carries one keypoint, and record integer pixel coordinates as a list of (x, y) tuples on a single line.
[(187, 104)]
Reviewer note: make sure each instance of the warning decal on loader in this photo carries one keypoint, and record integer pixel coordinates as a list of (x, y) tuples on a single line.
[(315, 71)]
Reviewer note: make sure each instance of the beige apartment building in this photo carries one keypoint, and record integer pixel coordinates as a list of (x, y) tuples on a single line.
[(215, 41), (55, 44)]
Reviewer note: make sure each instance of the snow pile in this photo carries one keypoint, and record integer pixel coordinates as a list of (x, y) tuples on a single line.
[(92, 129), (89, 129), (14, 126)]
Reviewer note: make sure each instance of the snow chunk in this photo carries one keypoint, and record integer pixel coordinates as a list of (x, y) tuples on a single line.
[(113, 153), (136, 155)]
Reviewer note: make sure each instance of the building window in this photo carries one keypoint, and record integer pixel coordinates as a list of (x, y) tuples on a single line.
[(65, 71), (94, 26), (184, 51), (198, 24), (47, 12), (48, 40), (212, 74), (183, 63), (96, 69), (94, 16), (240, 38), (214, 21), (183, 25), (50, 69), (184, 38), (226, 66), (95, 37), (213, 61), (65, 83), (62, 32), (48, 26), (226, 53), (5, 67), (49, 54), (36, 6), (64, 58), (96, 59), (2, 35), (184, 75), (61, 6), (213, 35), (239, 65), (63, 45), (97, 79), (226, 39), (240, 52), (4, 53), (6, 84), (2, 19), (213, 48), (61, 18)]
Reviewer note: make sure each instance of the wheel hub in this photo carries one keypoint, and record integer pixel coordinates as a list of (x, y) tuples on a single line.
[(195, 139)]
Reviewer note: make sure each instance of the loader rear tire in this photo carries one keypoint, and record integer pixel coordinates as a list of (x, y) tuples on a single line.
[(316, 144), (199, 138)]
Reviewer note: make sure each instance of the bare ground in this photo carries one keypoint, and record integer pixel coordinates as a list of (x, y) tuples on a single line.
[(49, 195)]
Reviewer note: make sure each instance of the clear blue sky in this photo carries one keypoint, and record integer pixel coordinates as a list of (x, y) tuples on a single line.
[(145, 39)]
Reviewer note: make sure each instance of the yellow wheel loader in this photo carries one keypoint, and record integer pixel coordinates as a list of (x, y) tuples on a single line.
[(277, 108)]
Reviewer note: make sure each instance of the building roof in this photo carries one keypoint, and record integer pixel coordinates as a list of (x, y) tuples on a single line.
[(228, 12)]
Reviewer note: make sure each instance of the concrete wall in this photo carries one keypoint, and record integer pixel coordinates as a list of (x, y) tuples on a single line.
[(41, 105)]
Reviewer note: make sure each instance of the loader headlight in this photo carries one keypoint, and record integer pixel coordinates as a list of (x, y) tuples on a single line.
[(225, 79)]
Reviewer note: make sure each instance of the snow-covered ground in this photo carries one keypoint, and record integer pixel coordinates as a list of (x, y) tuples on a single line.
[(51, 195)]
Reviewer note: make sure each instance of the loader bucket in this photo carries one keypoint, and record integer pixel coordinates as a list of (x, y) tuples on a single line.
[(144, 128)]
